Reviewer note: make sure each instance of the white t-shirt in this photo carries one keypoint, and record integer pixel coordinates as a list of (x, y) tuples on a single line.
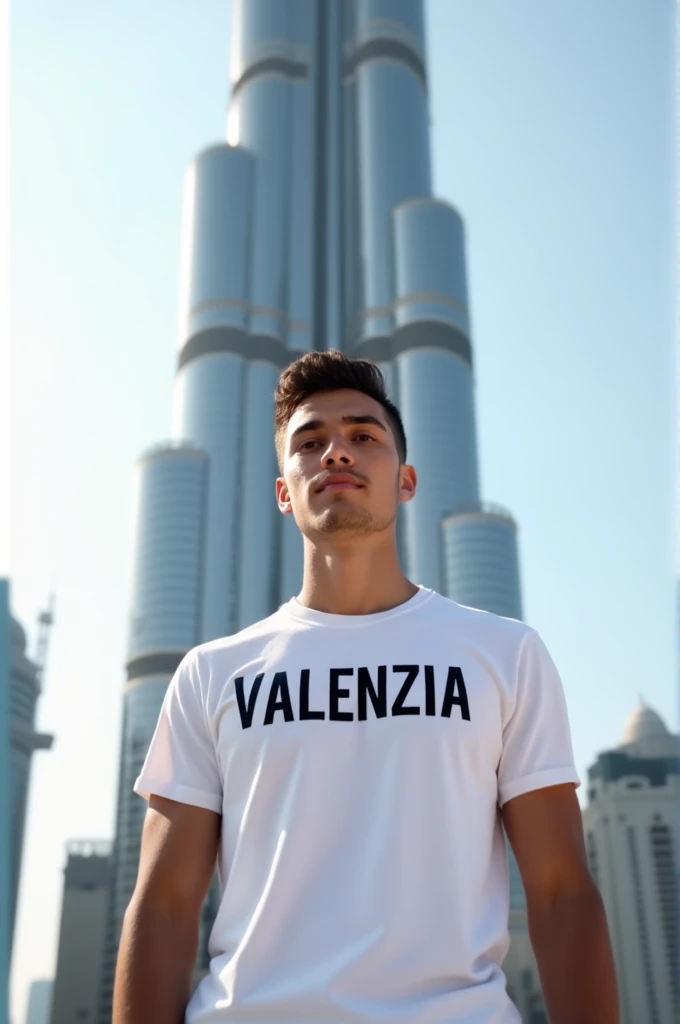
[(358, 763)]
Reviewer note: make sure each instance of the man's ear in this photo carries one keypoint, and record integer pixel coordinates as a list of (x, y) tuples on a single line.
[(283, 497), (407, 483)]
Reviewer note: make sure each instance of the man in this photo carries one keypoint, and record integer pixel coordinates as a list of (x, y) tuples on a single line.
[(347, 761)]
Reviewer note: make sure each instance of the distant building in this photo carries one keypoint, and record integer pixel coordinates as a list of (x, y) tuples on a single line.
[(520, 967), (81, 936), (40, 1002), (631, 828), (4, 802), (25, 680)]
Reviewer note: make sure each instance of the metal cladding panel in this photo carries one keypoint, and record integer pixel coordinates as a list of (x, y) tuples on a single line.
[(261, 119), (429, 252), (208, 411), (389, 372), (292, 559), (394, 164), (264, 29), (169, 520), (437, 406), (216, 234), (141, 706), (481, 562), (260, 529), (328, 68), (397, 19), (353, 284), (300, 228)]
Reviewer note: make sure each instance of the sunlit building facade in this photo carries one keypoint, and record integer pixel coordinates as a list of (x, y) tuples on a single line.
[(631, 828), (84, 905), (313, 226)]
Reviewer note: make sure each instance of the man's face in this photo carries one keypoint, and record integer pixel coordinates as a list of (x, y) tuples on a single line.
[(341, 469)]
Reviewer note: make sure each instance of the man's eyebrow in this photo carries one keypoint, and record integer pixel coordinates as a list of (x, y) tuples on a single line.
[(365, 419), (317, 424), (304, 427)]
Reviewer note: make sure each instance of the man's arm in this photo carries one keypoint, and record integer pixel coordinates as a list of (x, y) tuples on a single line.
[(567, 923), (159, 941)]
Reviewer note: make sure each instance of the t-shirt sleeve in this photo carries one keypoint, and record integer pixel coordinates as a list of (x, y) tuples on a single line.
[(181, 762), (537, 748)]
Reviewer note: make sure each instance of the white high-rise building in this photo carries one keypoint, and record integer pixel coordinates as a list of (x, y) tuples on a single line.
[(631, 827)]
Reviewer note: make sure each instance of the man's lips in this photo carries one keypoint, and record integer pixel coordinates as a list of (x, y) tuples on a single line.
[(340, 482)]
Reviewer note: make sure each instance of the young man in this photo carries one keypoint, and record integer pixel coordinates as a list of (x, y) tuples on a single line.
[(349, 759)]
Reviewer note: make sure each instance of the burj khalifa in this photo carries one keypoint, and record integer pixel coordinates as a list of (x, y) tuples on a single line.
[(312, 226)]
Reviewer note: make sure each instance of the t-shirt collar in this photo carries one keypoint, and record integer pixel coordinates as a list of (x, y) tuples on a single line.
[(313, 616)]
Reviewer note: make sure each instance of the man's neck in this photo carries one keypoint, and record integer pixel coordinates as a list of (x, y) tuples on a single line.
[(358, 578)]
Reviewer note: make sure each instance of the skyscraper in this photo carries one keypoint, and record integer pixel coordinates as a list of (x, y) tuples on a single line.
[(631, 827), (25, 685), (81, 935), (312, 226)]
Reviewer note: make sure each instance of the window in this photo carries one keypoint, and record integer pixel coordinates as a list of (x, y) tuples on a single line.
[(642, 926), (591, 849), (666, 889)]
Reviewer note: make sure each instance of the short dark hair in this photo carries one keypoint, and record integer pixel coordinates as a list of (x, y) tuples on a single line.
[(331, 371)]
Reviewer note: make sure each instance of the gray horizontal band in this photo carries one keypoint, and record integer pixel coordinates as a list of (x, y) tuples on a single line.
[(268, 65), (161, 664), (378, 350), (235, 341), (429, 334), (392, 48)]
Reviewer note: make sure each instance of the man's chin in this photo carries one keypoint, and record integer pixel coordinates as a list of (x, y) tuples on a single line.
[(344, 518)]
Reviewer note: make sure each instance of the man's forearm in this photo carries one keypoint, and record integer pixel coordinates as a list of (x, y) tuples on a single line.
[(573, 951), (155, 964)]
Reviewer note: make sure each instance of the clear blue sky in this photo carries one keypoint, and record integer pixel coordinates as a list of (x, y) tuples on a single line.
[(553, 134)]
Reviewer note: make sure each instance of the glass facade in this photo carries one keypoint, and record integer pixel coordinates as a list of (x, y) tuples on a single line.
[(170, 492), (481, 563), (209, 396), (168, 526), (260, 521)]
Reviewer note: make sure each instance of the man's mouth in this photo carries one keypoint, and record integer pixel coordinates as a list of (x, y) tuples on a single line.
[(340, 482)]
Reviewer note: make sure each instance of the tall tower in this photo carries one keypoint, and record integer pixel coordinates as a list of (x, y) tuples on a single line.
[(25, 687), (312, 226), (631, 827)]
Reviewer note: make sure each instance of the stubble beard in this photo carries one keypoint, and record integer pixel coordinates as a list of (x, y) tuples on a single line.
[(359, 522)]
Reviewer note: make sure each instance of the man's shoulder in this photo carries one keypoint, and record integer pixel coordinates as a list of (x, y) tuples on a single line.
[(479, 621), (257, 632)]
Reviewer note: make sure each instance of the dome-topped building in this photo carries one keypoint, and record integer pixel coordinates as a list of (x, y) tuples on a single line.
[(645, 734), (633, 841)]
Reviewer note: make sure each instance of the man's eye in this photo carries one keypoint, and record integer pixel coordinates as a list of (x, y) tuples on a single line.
[(364, 437), (306, 444)]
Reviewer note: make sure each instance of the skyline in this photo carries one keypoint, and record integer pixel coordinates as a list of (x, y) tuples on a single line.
[(504, 434)]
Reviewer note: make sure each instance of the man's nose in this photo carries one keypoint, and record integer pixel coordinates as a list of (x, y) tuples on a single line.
[(337, 453)]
